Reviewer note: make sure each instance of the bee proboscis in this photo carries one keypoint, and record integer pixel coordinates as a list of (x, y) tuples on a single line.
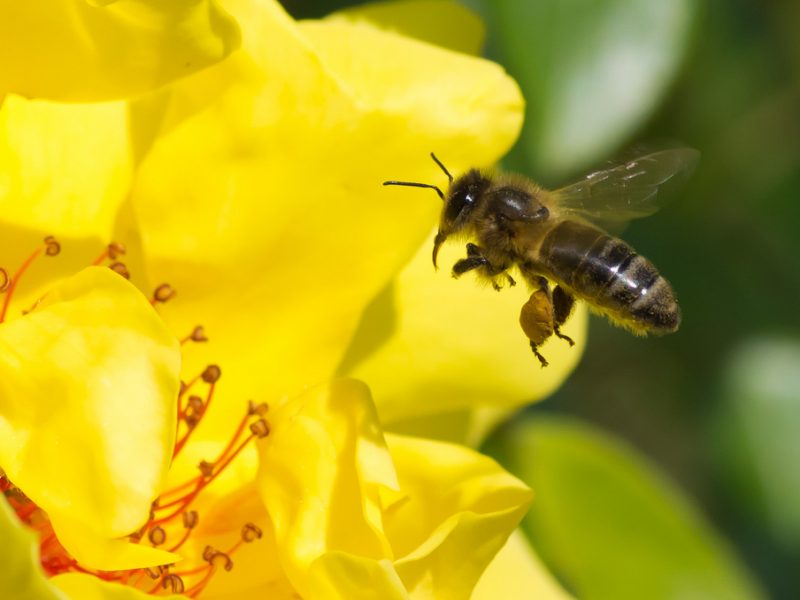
[(560, 236)]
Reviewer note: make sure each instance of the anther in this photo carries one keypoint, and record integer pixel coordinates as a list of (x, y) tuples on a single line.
[(4, 280), (211, 374), (259, 409), (154, 572), (198, 334), (251, 533), (220, 559), (163, 293), (52, 247), (260, 428), (115, 250), (157, 536), (174, 582), (190, 519), (195, 404), (120, 269), (206, 468)]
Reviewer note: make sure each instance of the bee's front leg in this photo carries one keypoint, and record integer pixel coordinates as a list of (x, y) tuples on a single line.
[(476, 260)]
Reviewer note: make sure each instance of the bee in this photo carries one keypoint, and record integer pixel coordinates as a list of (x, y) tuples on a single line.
[(560, 236)]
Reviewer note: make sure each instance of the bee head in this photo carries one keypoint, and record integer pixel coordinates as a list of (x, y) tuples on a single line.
[(462, 198)]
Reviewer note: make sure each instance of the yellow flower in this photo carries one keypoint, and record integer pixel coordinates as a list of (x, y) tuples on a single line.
[(256, 193), (84, 50)]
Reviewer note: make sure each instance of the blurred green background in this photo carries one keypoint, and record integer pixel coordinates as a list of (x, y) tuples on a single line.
[(653, 445)]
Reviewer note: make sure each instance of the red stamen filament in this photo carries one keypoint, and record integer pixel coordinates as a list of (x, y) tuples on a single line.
[(15, 279), (100, 258), (182, 414)]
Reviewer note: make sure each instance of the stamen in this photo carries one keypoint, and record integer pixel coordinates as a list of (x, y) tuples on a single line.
[(120, 269), (198, 335), (51, 248), (162, 294), (113, 251), (157, 536), (174, 583), (4, 280), (251, 533)]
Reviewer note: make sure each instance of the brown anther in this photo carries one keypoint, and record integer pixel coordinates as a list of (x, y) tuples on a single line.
[(191, 420), (4, 280), (251, 533), (190, 519), (211, 374), (198, 334), (220, 559), (259, 409), (195, 404), (157, 536), (154, 572), (163, 293), (174, 583), (120, 269), (208, 553), (115, 250), (52, 247), (206, 468), (260, 428)]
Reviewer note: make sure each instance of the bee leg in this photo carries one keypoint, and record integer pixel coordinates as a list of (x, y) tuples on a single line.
[(476, 260), (536, 318), (538, 354), (563, 303)]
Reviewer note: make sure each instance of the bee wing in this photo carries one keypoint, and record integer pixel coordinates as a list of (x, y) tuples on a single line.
[(629, 190)]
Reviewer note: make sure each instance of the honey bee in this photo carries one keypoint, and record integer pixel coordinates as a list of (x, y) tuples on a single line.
[(560, 236)]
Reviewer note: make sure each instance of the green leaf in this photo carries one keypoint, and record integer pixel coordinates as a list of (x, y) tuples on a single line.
[(758, 427), (609, 524), (591, 70)]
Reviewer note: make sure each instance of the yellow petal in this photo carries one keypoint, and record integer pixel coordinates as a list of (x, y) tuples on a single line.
[(454, 340), (341, 576), (516, 573), (94, 550), (440, 22), (78, 586), (81, 51), (21, 577), (64, 169), (88, 383), (265, 208), (321, 474), (461, 508)]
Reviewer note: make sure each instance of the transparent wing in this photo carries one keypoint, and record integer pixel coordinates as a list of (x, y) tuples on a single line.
[(627, 190)]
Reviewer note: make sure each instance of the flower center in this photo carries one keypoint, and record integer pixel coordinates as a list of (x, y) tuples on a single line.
[(172, 519)]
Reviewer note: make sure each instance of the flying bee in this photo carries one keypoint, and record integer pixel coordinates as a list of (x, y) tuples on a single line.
[(559, 236)]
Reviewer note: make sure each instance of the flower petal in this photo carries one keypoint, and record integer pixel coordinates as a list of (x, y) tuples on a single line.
[(22, 577), (322, 471), (440, 22), (516, 573), (460, 509), (454, 340), (269, 200), (64, 169), (342, 576), (79, 586), (88, 385), (81, 51)]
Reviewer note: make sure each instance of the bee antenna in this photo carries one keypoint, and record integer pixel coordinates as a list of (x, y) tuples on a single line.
[(413, 184), (442, 167)]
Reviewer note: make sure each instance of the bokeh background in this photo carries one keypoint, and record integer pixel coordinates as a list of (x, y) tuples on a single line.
[(669, 467)]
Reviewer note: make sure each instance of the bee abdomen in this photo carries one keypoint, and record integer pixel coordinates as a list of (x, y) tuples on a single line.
[(607, 272)]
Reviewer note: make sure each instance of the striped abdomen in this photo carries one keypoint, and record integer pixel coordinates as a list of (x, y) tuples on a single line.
[(607, 272)]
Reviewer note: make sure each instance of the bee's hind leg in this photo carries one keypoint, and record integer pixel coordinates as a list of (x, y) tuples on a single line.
[(536, 318), (563, 303), (476, 260)]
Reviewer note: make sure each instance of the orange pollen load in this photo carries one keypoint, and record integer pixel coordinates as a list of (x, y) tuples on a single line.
[(171, 519)]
